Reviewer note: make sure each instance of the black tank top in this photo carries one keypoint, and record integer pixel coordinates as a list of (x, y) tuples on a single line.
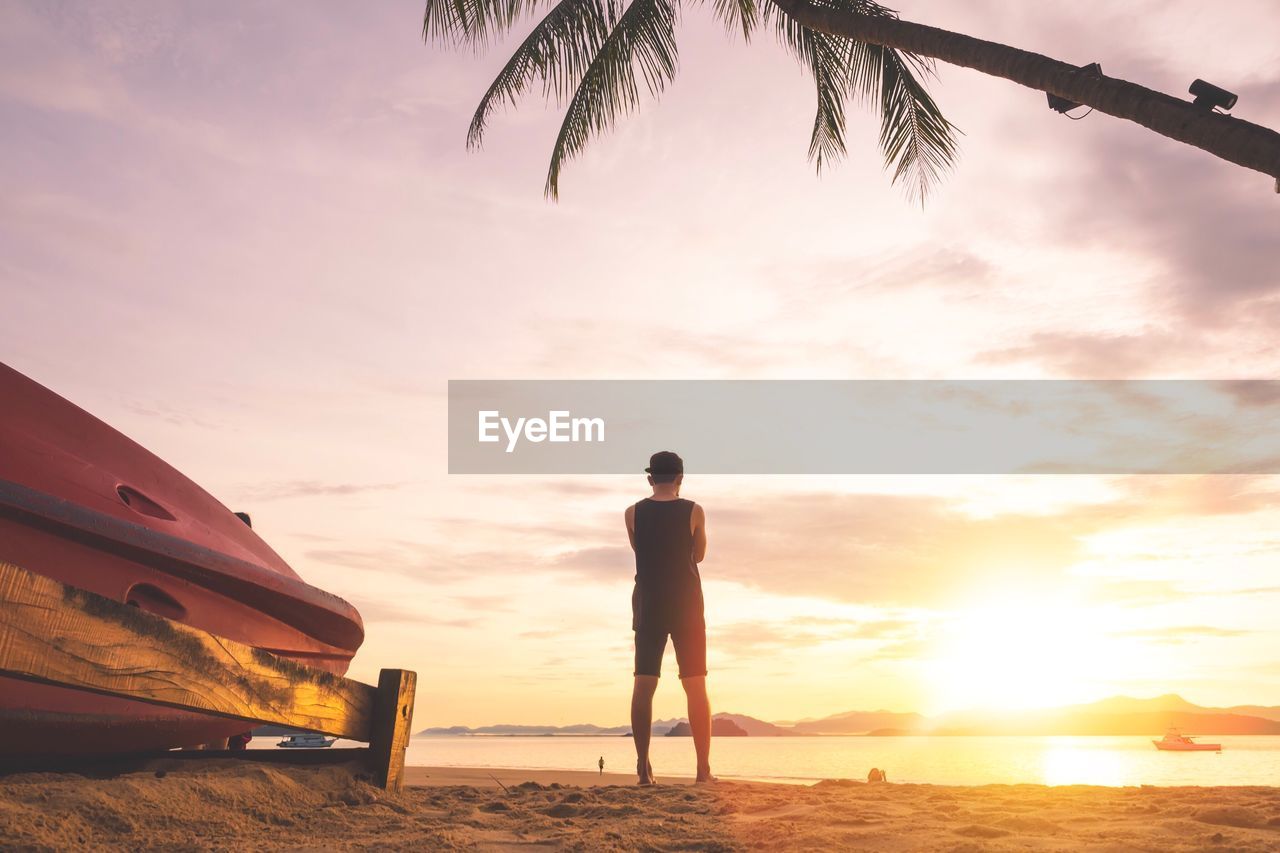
[(668, 591)]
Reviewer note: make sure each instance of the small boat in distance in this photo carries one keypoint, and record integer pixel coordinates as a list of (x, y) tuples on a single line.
[(306, 742), (1176, 741)]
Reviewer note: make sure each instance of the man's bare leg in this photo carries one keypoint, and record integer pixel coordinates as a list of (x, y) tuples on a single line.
[(695, 690), (642, 723)]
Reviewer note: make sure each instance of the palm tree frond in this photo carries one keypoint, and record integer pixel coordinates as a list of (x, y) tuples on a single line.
[(738, 15), (917, 140), (559, 50), (472, 22), (643, 36), (824, 57)]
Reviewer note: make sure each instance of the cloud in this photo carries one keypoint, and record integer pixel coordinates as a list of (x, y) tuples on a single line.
[(1260, 394), (1082, 355), (948, 269), (880, 549), (750, 639), (1177, 635), (1207, 228), (372, 611), (924, 550), (169, 414), (485, 603), (1136, 592), (419, 561), (680, 350), (606, 561), (289, 489)]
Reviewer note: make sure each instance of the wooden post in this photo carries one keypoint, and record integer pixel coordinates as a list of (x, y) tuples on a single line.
[(392, 722)]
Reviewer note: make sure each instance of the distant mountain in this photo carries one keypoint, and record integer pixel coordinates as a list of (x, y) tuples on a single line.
[(861, 722), (527, 731), (1148, 723), (1117, 715), (757, 728), (1170, 702), (1263, 711), (720, 727)]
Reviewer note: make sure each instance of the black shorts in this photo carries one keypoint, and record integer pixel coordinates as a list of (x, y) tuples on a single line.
[(691, 649)]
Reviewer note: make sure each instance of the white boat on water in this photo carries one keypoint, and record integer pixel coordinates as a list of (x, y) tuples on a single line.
[(1176, 741), (306, 742)]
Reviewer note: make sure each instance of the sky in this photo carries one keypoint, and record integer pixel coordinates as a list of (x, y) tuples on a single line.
[(254, 241)]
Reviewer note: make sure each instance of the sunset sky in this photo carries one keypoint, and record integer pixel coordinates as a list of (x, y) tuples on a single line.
[(251, 238)]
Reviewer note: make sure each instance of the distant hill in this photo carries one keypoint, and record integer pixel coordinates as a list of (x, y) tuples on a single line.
[(528, 731), (758, 728), (1129, 705), (1263, 711), (862, 722), (1145, 724), (720, 727), (1117, 715)]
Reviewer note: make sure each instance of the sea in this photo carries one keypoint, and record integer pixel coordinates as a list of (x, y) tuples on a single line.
[(1112, 761)]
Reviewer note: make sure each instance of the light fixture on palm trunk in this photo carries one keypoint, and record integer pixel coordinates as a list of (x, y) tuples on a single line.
[(1063, 105), (1209, 96)]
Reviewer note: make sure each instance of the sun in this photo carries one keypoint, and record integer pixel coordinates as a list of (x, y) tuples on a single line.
[(1007, 652)]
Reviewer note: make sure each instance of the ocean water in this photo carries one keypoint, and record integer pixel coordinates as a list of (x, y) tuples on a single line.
[(1114, 761)]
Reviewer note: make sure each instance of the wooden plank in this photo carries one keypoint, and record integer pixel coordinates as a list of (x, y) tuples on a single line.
[(59, 634), (108, 766), (392, 724)]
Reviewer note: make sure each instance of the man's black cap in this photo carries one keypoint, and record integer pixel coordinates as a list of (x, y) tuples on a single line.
[(665, 462)]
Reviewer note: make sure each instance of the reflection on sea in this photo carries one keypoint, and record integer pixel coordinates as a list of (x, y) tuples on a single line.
[(938, 760), (1085, 761)]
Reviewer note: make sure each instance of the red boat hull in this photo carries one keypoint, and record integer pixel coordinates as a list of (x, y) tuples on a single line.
[(83, 504)]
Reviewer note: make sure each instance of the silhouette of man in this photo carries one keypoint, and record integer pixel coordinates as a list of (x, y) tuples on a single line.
[(602, 765), (669, 537)]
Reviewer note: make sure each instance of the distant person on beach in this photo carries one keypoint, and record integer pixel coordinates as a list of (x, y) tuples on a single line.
[(669, 537), (602, 765)]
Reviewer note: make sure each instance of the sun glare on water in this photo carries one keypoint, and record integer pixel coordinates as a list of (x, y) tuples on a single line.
[(1015, 653)]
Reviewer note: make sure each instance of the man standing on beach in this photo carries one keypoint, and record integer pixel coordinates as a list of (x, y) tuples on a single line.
[(669, 537)]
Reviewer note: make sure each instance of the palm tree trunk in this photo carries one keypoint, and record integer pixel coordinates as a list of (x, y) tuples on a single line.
[(1237, 141)]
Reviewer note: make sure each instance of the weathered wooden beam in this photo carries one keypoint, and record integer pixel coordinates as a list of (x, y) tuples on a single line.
[(58, 634), (392, 720)]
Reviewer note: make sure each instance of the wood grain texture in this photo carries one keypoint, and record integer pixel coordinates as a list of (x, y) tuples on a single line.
[(56, 633), (392, 725)]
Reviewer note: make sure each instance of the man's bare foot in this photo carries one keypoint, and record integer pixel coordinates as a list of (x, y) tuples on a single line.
[(646, 774), (705, 777)]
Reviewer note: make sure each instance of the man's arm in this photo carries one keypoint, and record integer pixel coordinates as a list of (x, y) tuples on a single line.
[(630, 516), (698, 521)]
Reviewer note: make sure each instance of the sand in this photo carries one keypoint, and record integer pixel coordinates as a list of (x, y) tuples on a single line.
[(229, 805)]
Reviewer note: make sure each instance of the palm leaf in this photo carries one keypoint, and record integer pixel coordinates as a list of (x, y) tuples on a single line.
[(643, 36), (473, 22), (559, 50), (917, 140), (588, 51), (823, 56), (737, 15)]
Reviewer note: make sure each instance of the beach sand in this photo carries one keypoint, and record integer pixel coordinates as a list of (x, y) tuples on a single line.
[(228, 804)]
